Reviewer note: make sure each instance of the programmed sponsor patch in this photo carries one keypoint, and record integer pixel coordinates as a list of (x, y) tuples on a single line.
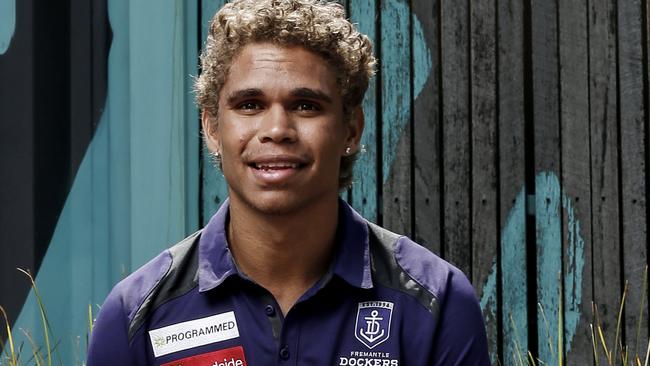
[(193, 333), (226, 357)]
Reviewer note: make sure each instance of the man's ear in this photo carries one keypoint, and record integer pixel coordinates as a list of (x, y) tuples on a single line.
[(210, 134), (355, 129)]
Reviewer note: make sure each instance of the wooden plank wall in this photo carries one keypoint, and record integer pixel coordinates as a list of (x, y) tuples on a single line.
[(511, 138)]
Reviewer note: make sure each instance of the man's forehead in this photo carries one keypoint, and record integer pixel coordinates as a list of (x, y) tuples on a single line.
[(263, 66), (269, 54), (261, 54)]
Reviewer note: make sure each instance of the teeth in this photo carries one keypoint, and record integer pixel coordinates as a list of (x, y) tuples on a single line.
[(267, 166)]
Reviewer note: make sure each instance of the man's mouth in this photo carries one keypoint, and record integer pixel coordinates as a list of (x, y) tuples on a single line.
[(277, 169), (276, 166)]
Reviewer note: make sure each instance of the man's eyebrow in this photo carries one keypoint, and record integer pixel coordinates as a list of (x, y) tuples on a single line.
[(242, 94), (311, 94)]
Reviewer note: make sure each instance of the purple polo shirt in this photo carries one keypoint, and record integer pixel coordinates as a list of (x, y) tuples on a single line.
[(385, 301)]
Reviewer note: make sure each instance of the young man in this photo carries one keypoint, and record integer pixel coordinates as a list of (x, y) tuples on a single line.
[(286, 272)]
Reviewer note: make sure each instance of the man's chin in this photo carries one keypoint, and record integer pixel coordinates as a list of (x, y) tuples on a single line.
[(274, 203), (280, 202)]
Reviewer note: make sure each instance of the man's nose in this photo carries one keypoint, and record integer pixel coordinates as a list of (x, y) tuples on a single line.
[(277, 126)]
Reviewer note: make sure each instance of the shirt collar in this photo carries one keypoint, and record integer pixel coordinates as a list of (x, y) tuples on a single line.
[(215, 260), (351, 260)]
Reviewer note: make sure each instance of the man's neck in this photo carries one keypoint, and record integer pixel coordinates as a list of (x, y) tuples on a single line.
[(286, 254)]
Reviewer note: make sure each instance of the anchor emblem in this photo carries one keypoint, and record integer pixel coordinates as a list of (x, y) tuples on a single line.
[(372, 331), (373, 322)]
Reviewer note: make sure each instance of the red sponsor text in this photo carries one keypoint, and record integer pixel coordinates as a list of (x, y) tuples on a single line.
[(226, 357)]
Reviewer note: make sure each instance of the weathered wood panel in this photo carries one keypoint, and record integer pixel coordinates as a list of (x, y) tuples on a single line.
[(604, 165), (575, 181), (426, 124), (484, 227), (512, 179), (455, 66), (396, 98), (547, 168), (364, 188), (633, 173)]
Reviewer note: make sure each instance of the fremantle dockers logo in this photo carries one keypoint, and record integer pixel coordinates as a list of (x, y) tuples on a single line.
[(373, 322)]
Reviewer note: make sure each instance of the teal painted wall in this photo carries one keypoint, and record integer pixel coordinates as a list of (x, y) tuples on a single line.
[(214, 186), (137, 189), (7, 23)]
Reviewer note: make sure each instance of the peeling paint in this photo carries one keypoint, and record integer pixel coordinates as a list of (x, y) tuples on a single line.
[(513, 257), (364, 189), (396, 111), (488, 301), (573, 275), (549, 262), (421, 58), (513, 261), (7, 23), (514, 299)]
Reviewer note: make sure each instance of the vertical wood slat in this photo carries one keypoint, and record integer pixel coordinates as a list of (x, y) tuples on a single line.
[(118, 104), (512, 179), (81, 83), (483, 158), (427, 127), (81, 129), (364, 188), (16, 169), (396, 108), (456, 152), (633, 168), (191, 118), (547, 187), (214, 188), (102, 176), (157, 81), (575, 181), (604, 165)]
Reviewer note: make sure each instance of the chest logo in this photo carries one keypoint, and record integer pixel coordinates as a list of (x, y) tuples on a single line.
[(372, 326), (193, 333)]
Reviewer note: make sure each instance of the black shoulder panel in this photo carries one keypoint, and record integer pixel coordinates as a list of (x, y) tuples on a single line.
[(180, 278), (387, 272)]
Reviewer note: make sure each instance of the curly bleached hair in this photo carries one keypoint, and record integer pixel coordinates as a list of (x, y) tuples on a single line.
[(317, 25)]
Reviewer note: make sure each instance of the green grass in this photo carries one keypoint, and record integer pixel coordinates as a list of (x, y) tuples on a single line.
[(614, 353), (15, 355)]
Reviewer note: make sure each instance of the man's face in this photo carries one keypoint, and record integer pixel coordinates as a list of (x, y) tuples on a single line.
[(280, 129)]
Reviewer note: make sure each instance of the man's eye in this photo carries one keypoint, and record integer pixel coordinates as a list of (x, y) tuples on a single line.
[(307, 106), (249, 106)]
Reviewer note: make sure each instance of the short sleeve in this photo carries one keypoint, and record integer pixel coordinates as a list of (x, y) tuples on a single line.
[(109, 341), (460, 337)]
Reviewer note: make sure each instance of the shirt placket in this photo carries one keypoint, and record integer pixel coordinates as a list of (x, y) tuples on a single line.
[(285, 331)]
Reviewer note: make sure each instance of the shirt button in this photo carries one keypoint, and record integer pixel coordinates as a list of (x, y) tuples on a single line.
[(284, 352), (270, 310)]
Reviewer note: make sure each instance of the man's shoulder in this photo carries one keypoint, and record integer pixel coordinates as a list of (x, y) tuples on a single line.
[(149, 285), (401, 264)]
